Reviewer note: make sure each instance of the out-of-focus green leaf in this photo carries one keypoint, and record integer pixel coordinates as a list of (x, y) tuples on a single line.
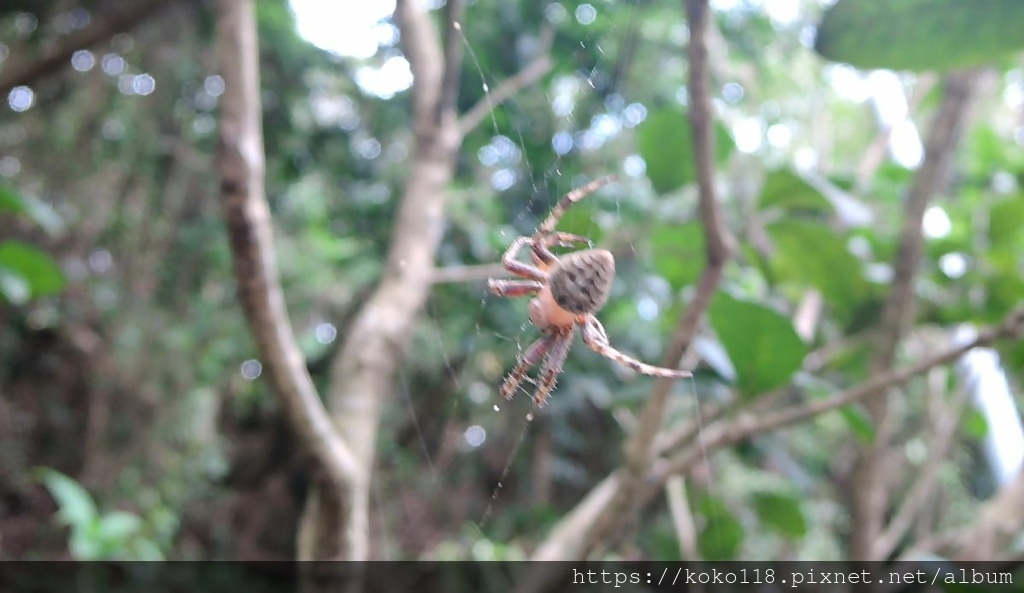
[(118, 526), (678, 253), (36, 267), (75, 505), (14, 287), (859, 423), (665, 140), (781, 513), (786, 190), (974, 424), (1006, 223), (38, 211), (762, 344), (723, 534), (810, 253), (579, 220), (1005, 292), (920, 34)]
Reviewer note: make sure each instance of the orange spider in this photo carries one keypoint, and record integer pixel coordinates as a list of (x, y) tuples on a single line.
[(569, 291)]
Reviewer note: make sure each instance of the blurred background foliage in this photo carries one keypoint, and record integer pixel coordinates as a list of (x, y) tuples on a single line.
[(125, 364)]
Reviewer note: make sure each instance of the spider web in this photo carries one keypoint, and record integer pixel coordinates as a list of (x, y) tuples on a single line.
[(483, 425)]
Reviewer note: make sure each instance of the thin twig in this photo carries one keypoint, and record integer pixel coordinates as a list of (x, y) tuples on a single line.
[(467, 273), (682, 517), (730, 432), (452, 56), (943, 435), (871, 492), (533, 71)]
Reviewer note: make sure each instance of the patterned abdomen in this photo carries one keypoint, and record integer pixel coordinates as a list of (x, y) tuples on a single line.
[(582, 280)]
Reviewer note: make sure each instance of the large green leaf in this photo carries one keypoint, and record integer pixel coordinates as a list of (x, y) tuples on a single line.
[(665, 140), (920, 34), (762, 344), (781, 513), (813, 254), (786, 190), (35, 267)]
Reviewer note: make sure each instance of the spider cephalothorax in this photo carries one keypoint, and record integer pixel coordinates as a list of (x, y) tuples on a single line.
[(569, 291)]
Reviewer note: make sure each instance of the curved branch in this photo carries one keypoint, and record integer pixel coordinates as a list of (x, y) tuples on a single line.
[(240, 162)]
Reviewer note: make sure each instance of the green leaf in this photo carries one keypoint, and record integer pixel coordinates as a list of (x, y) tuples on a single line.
[(781, 513), (762, 344), (723, 534), (859, 423), (786, 190), (14, 287), (1006, 223), (920, 34), (679, 253), (974, 424), (36, 267), (665, 141), (38, 211), (814, 254), (75, 505), (119, 526)]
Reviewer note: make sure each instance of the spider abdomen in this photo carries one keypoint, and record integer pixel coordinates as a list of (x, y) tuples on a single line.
[(581, 281)]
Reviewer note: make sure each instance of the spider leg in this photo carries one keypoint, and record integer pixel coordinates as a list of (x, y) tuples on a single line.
[(571, 198), (531, 356), (510, 261), (552, 367), (513, 288), (542, 245), (595, 337)]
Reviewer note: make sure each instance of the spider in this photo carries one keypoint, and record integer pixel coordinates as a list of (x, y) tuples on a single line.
[(569, 290)]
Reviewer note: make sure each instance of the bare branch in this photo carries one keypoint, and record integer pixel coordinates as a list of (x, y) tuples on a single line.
[(23, 69), (594, 523), (452, 58), (730, 432), (363, 371), (682, 517), (510, 86), (870, 495), (943, 435), (240, 161), (467, 273), (423, 50)]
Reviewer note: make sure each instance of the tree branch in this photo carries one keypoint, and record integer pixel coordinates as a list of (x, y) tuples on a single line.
[(362, 373), (240, 161), (23, 69), (730, 432), (595, 523), (510, 86), (467, 273), (870, 495), (453, 10), (943, 435)]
